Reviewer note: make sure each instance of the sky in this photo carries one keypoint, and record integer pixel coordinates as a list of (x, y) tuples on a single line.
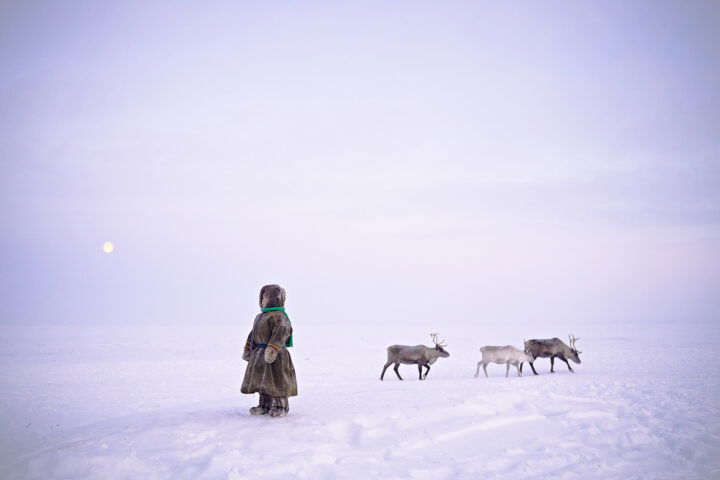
[(383, 161)]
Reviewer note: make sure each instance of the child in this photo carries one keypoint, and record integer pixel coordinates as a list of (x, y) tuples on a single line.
[(270, 371)]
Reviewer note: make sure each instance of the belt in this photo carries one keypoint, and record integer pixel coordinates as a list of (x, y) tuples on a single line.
[(265, 345)]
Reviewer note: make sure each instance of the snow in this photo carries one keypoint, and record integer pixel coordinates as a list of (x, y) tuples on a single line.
[(164, 402)]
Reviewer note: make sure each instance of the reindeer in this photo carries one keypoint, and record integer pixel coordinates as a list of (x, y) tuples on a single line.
[(419, 355), (553, 348), (507, 355)]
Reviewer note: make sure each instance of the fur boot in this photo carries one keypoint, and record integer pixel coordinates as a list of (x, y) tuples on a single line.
[(264, 406), (280, 407)]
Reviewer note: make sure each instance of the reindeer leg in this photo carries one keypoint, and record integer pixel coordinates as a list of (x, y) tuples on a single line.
[(427, 371), (552, 364), (533, 367), (420, 371), (566, 362), (507, 369), (385, 368), (397, 365), (485, 369), (520, 368), (477, 371)]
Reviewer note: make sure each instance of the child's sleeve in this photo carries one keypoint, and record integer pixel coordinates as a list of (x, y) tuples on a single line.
[(247, 349), (280, 333)]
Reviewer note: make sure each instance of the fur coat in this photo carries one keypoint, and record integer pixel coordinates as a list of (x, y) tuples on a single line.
[(276, 379)]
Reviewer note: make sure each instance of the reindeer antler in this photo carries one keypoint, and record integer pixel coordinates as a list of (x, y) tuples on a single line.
[(572, 339), (434, 339)]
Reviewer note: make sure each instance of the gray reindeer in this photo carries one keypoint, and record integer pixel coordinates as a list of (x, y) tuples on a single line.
[(552, 348), (419, 355)]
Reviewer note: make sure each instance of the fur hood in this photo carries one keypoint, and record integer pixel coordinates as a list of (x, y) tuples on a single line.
[(275, 294)]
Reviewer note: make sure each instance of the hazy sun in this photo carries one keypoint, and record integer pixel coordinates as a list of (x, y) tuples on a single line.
[(108, 247)]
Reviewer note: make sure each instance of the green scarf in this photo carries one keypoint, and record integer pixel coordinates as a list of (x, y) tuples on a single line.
[(289, 342)]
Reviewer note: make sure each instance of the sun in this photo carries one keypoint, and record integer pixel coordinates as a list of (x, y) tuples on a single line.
[(108, 247)]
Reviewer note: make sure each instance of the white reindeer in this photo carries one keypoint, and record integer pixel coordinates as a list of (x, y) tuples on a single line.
[(508, 355)]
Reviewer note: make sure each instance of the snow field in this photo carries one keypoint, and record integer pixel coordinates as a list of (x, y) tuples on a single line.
[(147, 402)]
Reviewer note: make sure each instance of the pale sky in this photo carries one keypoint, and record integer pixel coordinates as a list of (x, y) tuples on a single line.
[(479, 161)]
